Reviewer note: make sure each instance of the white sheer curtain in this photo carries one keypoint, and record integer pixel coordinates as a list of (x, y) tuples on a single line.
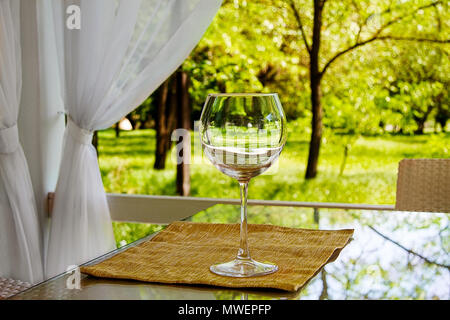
[(20, 238), (124, 50)]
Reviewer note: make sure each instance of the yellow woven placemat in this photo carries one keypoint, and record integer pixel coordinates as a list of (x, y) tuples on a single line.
[(184, 251)]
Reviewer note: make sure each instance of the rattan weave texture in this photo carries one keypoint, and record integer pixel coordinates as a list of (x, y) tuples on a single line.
[(423, 185)]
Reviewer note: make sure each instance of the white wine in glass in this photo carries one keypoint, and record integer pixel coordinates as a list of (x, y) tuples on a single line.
[(243, 134)]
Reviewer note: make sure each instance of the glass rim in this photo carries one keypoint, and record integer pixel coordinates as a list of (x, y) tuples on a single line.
[(243, 94)]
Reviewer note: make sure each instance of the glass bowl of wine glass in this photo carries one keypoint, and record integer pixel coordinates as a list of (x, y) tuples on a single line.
[(242, 134)]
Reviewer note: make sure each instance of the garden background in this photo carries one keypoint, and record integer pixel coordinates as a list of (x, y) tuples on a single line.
[(363, 83)]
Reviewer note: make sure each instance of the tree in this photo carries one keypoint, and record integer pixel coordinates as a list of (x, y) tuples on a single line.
[(387, 18), (183, 122), (417, 85), (165, 120), (173, 111), (443, 110), (244, 51), (312, 53)]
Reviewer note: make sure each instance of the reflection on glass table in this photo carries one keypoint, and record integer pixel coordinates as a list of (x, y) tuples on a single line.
[(394, 255)]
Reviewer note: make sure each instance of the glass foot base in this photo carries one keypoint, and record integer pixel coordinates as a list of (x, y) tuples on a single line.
[(243, 268)]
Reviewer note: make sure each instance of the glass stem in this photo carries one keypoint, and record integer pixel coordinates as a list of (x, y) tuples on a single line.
[(243, 253)]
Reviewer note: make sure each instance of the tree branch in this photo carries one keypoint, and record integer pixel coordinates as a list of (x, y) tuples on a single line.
[(360, 25), (408, 250), (300, 25), (376, 35), (366, 20), (390, 37), (379, 38), (337, 55), (400, 18), (324, 293)]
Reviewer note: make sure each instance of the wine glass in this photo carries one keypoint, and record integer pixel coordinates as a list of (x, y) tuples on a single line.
[(243, 134)]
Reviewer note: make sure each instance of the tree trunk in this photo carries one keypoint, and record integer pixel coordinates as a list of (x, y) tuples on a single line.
[(344, 159), (420, 121), (317, 217), (442, 115), (420, 126), (161, 126), (166, 120), (315, 80), (443, 122), (183, 146), (316, 133), (171, 114), (95, 141), (117, 129), (324, 293)]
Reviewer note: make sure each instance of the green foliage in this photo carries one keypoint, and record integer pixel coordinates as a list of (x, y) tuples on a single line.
[(243, 51), (360, 86), (256, 46), (126, 233), (143, 115), (420, 85)]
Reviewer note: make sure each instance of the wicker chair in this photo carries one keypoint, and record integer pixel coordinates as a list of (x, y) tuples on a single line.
[(9, 287), (423, 185)]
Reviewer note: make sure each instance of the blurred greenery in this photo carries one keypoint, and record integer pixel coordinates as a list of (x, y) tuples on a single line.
[(386, 85)]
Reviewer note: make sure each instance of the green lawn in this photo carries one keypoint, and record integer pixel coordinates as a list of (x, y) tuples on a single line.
[(370, 173)]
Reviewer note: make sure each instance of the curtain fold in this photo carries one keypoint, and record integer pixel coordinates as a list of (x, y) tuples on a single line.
[(20, 234), (124, 50)]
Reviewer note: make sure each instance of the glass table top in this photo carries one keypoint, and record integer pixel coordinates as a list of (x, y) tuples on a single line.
[(393, 255)]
